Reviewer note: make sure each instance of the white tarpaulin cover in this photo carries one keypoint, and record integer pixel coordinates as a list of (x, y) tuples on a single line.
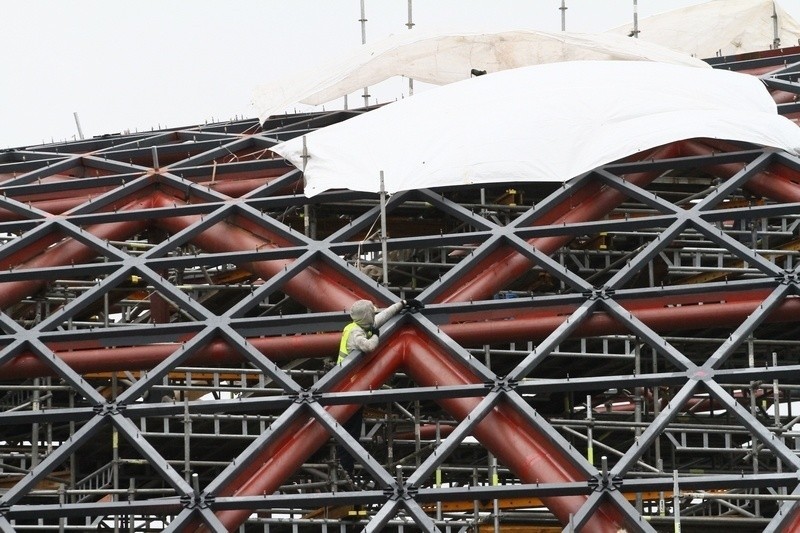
[(541, 123), (726, 27), (442, 58)]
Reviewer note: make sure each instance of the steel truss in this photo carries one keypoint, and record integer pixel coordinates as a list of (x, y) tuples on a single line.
[(619, 351)]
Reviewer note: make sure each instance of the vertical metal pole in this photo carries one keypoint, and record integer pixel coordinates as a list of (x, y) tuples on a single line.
[(754, 446), (78, 124), (776, 395), (62, 499), (476, 515), (106, 303), (49, 405), (776, 39), (410, 25), (637, 399), (305, 155), (334, 473), (676, 501), (635, 19), (438, 473), (35, 426), (363, 21), (307, 207), (563, 9), (417, 440), (662, 504), (589, 431), (73, 467), (384, 247), (495, 482), (131, 497), (187, 430), (389, 437), (753, 387), (776, 405), (656, 411), (115, 453)]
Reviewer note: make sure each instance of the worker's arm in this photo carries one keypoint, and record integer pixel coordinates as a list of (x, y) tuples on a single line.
[(358, 339), (384, 316)]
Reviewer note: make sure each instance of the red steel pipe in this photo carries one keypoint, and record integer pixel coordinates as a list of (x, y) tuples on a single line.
[(591, 202), (320, 290), (426, 431), (654, 313), (66, 252), (62, 201), (279, 460), (504, 432), (318, 287), (215, 354), (771, 183), (472, 329)]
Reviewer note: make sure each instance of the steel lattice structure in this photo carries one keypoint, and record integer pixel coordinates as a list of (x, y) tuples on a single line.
[(620, 351)]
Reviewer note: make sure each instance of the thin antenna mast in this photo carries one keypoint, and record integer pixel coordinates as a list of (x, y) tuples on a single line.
[(410, 25), (563, 10), (363, 21), (635, 33), (78, 124), (776, 39)]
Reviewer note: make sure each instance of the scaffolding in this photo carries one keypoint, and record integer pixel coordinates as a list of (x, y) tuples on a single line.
[(619, 352)]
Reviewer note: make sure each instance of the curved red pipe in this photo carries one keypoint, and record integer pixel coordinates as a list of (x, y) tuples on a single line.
[(279, 460), (318, 287), (66, 252), (504, 432), (772, 182), (590, 202), (473, 329)]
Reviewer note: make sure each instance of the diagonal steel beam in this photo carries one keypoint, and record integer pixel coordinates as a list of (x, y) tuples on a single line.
[(428, 365), (591, 201), (69, 446)]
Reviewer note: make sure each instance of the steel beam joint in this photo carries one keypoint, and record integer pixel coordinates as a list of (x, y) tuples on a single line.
[(504, 385), (603, 293), (306, 396), (401, 492), (202, 501), (602, 483), (109, 408)]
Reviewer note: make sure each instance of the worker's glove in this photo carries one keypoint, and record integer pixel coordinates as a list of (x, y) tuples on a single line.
[(412, 305), (373, 331)]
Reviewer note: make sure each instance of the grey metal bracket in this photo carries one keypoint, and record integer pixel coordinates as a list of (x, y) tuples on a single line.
[(110, 408), (306, 396), (504, 385), (401, 492), (602, 483), (603, 293)]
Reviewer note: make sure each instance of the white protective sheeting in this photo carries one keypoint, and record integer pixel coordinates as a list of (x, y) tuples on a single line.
[(541, 123), (720, 27), (442, 58)]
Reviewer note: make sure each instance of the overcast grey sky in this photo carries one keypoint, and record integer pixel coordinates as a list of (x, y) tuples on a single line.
[(137, 65)]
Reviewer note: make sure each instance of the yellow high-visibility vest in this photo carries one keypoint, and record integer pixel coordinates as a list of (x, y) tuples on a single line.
[(343, 343)]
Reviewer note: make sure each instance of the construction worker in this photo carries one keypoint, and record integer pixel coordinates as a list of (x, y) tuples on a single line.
[(363, 335)]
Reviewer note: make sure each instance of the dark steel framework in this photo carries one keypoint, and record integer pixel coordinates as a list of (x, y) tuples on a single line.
[(617, 352)]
